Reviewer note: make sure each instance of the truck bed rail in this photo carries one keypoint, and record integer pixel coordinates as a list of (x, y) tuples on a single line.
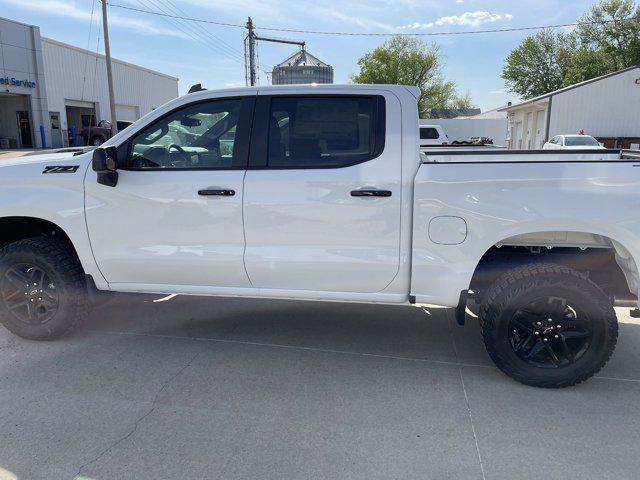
[(528, 156)]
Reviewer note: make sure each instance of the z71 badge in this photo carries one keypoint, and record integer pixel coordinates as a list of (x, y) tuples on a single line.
[(61, 169)]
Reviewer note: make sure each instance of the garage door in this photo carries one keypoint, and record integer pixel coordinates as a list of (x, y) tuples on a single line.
[(127, 113)]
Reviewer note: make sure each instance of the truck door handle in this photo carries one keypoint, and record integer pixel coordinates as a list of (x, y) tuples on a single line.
[(370, 193), (225, 192)]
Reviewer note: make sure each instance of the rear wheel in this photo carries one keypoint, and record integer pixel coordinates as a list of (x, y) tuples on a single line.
[(43, 293), (547, 325)]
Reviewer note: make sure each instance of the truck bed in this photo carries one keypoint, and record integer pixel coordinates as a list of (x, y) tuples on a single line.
[(482, 155), (464, 206)]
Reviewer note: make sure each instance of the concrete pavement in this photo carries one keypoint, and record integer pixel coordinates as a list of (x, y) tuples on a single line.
[(196, 388)]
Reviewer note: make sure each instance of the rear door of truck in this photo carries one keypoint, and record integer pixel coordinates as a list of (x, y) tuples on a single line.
[(322, 193)]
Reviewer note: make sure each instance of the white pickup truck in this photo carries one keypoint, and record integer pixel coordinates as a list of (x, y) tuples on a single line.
[(321, 193)]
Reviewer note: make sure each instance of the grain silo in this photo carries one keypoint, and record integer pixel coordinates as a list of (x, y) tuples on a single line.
[(302, 67)]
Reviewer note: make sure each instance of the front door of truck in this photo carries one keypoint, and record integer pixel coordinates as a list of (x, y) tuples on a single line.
[(323, 192), (175, 215)]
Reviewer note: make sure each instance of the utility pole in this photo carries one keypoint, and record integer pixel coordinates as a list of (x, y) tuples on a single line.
[(107, 54), (251, 41), (251, 38)]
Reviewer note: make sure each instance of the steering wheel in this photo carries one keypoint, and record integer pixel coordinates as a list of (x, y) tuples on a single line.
[(185, 155)]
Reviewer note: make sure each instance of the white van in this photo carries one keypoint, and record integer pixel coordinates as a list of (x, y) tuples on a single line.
[(431, 135)]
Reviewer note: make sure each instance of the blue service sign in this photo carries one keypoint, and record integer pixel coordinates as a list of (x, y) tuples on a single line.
[(14, 82)]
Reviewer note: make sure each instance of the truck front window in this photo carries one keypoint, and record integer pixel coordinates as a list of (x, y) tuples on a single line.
[(196, 136)]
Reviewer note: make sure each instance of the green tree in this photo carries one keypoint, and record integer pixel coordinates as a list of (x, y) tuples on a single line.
[(586, 64), (606, 39), (612, 28), (406, 60), (462, 102), (538, 65)]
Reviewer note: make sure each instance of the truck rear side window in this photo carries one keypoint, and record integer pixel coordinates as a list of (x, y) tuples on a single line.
[(429, 134), (324, 132)]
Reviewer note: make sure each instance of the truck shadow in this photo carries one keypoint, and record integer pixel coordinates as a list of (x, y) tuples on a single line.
[(410, 332), (427, 333)]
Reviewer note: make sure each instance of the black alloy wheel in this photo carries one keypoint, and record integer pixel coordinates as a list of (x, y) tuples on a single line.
[(548, 325), (29, 293), (549, 333)]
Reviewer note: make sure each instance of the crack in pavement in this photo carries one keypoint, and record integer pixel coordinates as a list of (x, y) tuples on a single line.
[(450, 321), (139, 420), (456, 363), (293, 347)]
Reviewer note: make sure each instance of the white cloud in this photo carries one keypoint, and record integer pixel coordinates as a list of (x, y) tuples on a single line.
[(459, 1), (416, 26), (467, 19), (473, 19), (357, 20), (72, 10)]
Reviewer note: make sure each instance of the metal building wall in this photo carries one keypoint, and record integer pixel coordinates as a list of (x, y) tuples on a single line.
[(21, 58), (606, 108), (74, 74), (527, 126)]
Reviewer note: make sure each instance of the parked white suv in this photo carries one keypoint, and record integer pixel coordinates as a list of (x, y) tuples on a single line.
[(433, 135), (572, 142), (321, 193)]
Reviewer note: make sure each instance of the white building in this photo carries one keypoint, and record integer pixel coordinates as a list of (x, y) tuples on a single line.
[(606, 107), (49, 89)]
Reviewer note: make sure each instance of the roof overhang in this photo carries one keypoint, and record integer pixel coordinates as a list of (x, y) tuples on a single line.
[(541, 102), (546, 96)]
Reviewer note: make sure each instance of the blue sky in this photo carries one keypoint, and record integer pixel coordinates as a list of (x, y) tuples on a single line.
[(474, 62)]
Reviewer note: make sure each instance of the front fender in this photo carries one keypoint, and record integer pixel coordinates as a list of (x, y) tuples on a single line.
[(58, 197)]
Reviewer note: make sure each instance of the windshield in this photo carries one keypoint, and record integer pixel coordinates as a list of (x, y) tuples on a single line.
[(581, 141)]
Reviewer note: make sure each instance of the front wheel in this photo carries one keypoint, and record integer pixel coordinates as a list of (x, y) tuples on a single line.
[(547, 325), (43, 292)]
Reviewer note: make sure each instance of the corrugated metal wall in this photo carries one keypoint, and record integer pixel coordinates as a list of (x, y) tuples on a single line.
[(606, 108), (21, 58), (75, 74), (301, 75)]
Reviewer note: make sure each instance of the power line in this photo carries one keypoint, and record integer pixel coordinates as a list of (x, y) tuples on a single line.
[(194, 33), (95, 65), (197, 30), (86, 61), (151, 12), (179, 11), (173, 20), (367, 34)]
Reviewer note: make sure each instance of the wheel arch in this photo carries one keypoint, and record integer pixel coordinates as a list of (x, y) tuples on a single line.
[(17, 228), (603, 258)]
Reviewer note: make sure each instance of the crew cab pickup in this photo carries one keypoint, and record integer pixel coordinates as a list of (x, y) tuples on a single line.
[(321, 193), (96, 136)]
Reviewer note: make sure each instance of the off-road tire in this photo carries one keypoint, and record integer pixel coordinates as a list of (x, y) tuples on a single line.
[(513, 289), (63, 268)]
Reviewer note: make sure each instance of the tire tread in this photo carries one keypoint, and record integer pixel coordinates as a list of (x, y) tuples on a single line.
[(519, 279), (65, 261)]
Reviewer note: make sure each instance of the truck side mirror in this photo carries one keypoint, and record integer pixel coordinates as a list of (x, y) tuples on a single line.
[(104, 163)]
